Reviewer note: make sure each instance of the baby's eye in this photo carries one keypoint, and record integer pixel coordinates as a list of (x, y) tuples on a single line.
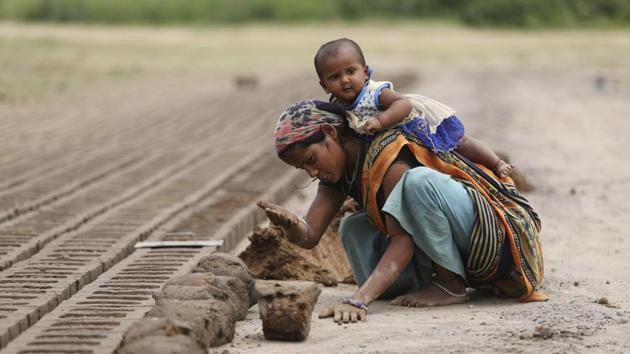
[(351, 71), (334, 77)]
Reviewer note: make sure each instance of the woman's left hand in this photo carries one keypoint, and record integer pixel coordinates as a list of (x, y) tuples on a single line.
[(344, 313)]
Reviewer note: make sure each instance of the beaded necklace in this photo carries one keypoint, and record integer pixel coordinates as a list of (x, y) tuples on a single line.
[(354, 173)]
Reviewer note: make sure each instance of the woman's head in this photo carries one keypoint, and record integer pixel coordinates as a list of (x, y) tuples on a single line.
[(308, 136)]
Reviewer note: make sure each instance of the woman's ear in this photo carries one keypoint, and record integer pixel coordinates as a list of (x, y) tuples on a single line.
[(329, 130)]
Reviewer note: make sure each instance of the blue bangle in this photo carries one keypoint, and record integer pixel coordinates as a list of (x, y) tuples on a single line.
[(358, 304)]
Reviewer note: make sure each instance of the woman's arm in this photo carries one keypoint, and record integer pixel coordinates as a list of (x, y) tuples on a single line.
[(326, 204), (399, 252), (396, 257), (306, 232)]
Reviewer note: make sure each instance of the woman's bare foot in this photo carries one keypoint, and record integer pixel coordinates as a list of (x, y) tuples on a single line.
[(433, 295)]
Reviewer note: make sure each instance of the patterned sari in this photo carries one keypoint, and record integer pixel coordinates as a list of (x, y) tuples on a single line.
[(504, 218)]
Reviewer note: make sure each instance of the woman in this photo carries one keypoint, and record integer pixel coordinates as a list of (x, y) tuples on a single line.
[(431, 225)]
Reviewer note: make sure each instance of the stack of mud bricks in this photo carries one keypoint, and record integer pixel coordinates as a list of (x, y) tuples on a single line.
[(195, 311)]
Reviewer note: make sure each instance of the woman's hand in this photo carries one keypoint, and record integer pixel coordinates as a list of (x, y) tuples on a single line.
[(288, 222), (279, 216), (344, 313)]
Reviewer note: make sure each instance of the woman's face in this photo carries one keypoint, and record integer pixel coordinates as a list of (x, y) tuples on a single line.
[(325, 160)]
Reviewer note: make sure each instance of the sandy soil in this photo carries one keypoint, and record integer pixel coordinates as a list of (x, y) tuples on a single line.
[(566, 134)]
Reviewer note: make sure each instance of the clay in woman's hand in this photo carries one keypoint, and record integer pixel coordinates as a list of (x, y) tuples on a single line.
[(278, 215)]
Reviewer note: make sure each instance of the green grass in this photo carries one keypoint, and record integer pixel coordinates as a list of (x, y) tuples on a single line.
[(487, 13)]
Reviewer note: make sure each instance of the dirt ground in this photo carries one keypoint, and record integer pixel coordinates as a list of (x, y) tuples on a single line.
[(556, 103), (565, 131)]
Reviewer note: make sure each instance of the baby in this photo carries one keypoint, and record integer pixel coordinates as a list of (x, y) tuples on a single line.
[(374, 106)]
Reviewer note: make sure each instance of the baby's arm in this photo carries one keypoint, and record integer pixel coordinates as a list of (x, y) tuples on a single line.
[(395, 108), (479, 152)]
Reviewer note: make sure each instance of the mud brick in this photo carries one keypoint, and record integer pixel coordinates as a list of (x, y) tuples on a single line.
[(286, 308), (153, 327), (228, 265), (50, 305), (4, 338), (211, 321), (85, 279), (202, 286), (8, 332), (163, 344)]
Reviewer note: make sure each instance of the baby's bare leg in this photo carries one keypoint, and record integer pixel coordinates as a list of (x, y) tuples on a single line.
[(478, 152)]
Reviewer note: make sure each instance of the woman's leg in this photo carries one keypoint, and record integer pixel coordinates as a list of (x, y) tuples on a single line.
[(439, 215), (364, 246)]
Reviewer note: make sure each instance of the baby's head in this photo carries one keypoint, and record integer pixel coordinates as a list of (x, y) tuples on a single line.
[(341, 68)]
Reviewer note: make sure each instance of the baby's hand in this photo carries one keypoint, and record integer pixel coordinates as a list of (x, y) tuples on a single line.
[(372, 126), (503, 169), (278, 215)]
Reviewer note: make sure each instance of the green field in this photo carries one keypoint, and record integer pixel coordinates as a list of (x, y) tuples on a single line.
[(44, 59), (491, 13)]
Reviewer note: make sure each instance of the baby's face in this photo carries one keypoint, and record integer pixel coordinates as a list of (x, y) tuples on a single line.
[(343, 75)]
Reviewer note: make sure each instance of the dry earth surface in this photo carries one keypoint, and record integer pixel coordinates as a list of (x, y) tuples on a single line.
[(142, 134), (565, 134)]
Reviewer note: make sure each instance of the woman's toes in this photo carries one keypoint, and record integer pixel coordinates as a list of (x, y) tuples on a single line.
[(399, 301)]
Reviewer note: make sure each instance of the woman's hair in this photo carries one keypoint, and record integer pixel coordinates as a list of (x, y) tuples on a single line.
[(343, 132), (300, 121)]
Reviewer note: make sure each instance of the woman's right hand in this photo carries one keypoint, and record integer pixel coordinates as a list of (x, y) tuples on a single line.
[(344, 313), (282, 218)]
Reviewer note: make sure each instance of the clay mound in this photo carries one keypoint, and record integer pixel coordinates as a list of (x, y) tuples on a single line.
[(271, 256)]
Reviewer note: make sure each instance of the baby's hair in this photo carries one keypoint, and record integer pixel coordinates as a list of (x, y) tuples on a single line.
[(330, 49)]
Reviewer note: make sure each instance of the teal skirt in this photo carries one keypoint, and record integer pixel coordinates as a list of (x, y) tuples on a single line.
[(438, 214)]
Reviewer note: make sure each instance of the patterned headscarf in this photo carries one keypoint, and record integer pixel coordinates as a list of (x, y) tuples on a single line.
[(303, 119)]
